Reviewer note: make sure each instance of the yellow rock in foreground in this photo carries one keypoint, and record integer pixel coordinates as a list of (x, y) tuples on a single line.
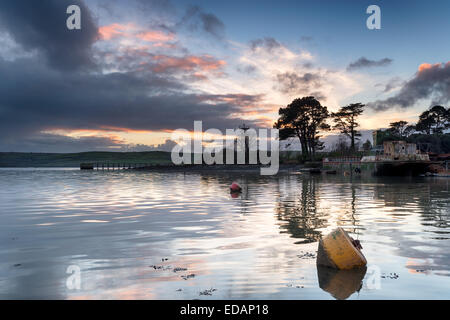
[(336, 250)]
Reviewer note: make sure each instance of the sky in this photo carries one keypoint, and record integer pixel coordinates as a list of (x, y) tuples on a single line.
[(140, 69)]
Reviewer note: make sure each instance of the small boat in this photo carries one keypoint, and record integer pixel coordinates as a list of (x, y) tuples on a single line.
[(86, 166)]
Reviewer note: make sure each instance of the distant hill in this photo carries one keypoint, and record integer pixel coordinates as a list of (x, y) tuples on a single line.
[(329, 141), (20, 159)]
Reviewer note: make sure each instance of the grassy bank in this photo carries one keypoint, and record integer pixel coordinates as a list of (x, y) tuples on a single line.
[(19, 159), (23, 159)]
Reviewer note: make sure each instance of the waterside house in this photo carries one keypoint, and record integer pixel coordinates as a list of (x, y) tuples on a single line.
[(398, 151), (397, 158)]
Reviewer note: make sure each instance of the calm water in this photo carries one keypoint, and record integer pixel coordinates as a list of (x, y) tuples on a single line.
[(120, 227)]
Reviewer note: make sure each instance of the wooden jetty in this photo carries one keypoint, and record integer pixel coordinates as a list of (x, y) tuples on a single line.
[(115, 166)]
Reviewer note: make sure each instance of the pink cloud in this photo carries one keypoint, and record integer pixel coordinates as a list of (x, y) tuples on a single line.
[(426, 66), (187, 63), (115, 30), (130, 30), (155, 36)]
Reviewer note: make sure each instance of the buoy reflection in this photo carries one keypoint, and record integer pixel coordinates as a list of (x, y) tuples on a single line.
[(341, 284)]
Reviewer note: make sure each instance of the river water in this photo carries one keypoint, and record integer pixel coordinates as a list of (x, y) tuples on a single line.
[(71, 234)]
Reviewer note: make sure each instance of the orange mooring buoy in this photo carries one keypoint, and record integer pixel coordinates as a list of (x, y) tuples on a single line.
[(338, 250), (235, 187)]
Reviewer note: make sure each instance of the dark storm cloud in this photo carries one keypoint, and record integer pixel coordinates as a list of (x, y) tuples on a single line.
[(366, 63), (213, 25), (53, 143), (195, 18), (43, 92), (293, 83), (36, 98), (391, 84), (267, 43), (41, 26), (432, 81)]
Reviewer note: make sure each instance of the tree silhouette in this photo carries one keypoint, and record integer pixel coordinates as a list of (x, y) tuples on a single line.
[(399, 128), (429, 133), (345, 121), (434, 121), (409, 130), (303, 118)]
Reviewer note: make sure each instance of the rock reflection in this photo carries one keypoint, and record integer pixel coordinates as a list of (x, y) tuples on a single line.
[(341, 284)]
